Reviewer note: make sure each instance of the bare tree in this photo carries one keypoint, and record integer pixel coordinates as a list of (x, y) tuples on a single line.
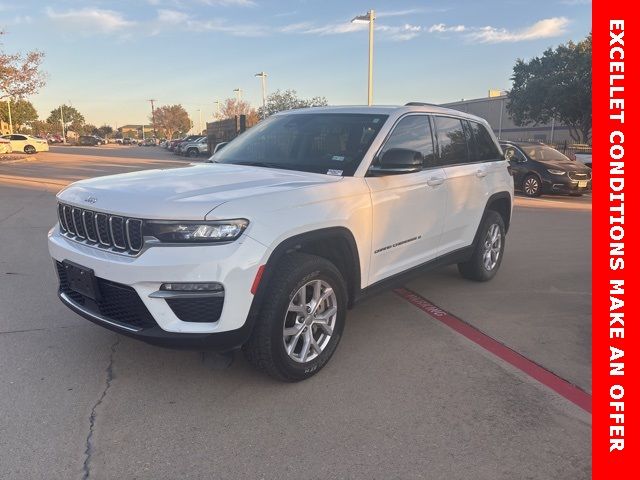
[(20, 74), (232, 107)]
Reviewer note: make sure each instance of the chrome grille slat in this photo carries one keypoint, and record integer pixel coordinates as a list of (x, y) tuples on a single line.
[(110, 232), (68, 219), (61, 220)]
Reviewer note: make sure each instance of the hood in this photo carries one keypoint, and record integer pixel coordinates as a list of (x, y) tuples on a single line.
[(186, 193), (567, 165)]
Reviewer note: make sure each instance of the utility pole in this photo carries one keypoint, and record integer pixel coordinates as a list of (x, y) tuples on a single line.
[(9, 110), (263, 77), (153, 117)]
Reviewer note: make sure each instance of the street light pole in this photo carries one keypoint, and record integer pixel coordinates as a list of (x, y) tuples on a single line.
[(153, 116), (217, 112), (370, 18), (263, 77), (9, 110), (64, 136), (238, 98)]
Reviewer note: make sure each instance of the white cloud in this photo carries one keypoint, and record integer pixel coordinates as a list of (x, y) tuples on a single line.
[(547, 28), (91, 20), (401, 33), (442, 28), (337, 28), (398, 13), (576, 2)]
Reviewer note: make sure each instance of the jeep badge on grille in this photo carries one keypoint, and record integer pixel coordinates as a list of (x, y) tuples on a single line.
[(91, 199)]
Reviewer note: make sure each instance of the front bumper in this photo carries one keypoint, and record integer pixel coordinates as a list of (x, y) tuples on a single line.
[(233, 265), (564, 185)]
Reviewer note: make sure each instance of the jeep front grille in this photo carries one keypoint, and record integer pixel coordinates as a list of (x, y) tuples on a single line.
[(112, 232)]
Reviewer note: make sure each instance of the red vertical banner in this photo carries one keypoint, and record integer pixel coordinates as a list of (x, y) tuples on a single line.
[(616, 327)]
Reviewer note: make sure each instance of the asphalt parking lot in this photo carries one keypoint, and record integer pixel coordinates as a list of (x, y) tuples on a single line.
[(405, 395)]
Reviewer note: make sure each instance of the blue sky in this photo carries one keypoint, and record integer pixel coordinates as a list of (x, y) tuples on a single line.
[(107, 57)]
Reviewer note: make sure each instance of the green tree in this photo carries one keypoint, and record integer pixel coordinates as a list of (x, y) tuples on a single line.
[(171, 119), (105, 131), (555, 85), (72, 117), (288, 100), (42, 129), (20, 74), (23, 113)]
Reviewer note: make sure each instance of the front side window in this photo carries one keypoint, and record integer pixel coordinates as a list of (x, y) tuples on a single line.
[(329, 143), (413, 133), (544, 153), (452, 143), (486, 149)]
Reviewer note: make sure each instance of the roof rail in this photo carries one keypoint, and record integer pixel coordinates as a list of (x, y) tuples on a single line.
[(420, 104)]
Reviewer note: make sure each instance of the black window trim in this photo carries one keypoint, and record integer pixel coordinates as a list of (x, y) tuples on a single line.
[(497, 159), (393, 128)]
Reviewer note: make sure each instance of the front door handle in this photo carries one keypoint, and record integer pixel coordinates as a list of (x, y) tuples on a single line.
[(481, 173), (435, 181)]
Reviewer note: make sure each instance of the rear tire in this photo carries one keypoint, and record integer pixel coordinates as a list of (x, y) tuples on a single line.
[(295, 334), (487, 254)]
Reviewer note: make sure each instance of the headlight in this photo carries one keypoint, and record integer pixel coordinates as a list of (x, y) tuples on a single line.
[(196, 232), (555, 172)]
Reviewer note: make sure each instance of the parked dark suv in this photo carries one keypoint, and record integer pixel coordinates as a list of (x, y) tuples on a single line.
[(538, 169), (89, 140)]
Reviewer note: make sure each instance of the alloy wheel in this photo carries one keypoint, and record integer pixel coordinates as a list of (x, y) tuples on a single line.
[(531, 186), (309, 321), (492, 247)]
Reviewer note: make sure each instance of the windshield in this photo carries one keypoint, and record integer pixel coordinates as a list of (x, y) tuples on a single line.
[(543, 153), (329, 143)]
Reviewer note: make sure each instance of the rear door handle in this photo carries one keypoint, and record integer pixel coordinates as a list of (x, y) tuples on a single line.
[(481, 173), (435, 181)]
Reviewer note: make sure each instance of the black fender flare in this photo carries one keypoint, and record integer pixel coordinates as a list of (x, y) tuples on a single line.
[(293, 244)]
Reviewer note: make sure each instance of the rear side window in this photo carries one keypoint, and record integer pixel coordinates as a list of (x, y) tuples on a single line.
[(486, 149), (452, 143), (413, 133)]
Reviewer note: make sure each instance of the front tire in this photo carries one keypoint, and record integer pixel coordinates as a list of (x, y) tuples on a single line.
[(531, 186), (29, 149), (193, 152), (487, 254), (301, 320)]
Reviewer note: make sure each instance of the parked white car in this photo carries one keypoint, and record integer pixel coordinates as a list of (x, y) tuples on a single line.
[(27, 143), (293, 222), (5, 146)]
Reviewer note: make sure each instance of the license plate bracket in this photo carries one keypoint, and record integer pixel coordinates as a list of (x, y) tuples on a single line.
[(81, 280), (582, 184)]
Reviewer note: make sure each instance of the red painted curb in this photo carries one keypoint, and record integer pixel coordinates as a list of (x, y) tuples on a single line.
[(559, 385)]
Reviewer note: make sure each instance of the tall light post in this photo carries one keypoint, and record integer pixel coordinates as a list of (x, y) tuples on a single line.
[(153, 116), (370, 18), (199, 121), (216, 114), (64, 136), (263, 77), (238, 98), (9, 111)]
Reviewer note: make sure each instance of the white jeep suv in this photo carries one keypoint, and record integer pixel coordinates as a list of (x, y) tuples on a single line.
[(267, 246)]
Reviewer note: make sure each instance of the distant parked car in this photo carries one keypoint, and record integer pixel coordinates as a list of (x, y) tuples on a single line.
[(102, 141), (5, 146), (55, 138), (149, 142), (195, 148), (179, 150), (89, 140), (126, 141), (27, 143), (538, 169)]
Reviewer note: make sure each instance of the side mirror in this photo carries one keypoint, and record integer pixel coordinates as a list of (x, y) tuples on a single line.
[(219, 146), (397, 161)]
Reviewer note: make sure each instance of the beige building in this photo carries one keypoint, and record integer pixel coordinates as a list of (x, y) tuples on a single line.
[(4, 128), (494, 110)]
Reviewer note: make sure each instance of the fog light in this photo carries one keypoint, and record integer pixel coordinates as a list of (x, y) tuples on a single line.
[(192, 287)]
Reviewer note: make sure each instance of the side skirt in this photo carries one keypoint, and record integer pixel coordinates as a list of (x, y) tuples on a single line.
[(457, 256)]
